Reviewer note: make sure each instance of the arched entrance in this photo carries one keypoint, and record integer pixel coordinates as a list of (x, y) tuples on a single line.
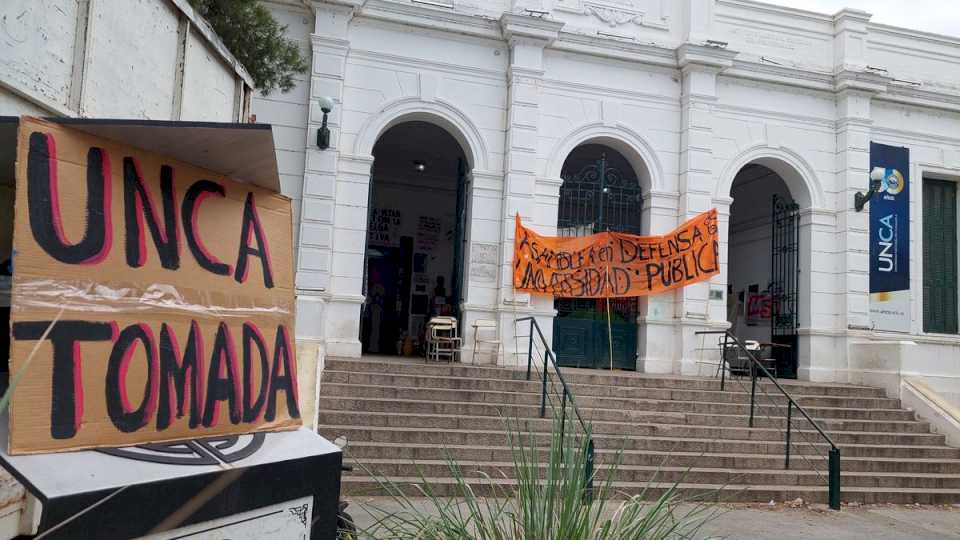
[(600, 192), (416, 229), (763, 285)]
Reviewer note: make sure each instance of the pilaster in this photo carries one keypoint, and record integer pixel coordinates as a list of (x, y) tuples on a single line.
[(527, 37), (658, 337), (331, 297), (700, 65)]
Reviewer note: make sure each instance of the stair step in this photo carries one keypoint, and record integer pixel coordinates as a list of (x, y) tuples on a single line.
[(715, 395), (413, 406), (364, 450), (588, 402), (729, 493), (664, 473), (664, 444), (578, 376), (800, 432)]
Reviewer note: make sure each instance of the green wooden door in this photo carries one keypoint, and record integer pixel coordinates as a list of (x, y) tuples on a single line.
[(598, 194), (940, 311)]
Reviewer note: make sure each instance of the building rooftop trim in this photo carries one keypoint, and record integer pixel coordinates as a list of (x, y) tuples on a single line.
[(211, 37)]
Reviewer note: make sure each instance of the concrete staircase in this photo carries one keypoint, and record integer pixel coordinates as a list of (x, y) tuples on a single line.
[(403, 418)]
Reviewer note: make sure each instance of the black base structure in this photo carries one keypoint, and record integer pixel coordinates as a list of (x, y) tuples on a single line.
[(244, 486)]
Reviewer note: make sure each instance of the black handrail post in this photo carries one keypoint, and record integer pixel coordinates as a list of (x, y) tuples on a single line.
[(529, 349), (588, 470), (723, 362), (753, 393), (834, 478), (789, 413), (543, 394), (563, 421)]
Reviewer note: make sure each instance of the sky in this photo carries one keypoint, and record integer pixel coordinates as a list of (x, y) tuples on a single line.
[(939, 16)]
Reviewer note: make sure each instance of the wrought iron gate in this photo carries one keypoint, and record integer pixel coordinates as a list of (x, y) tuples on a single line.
[(598, 197), (456, 287), (784, 281)]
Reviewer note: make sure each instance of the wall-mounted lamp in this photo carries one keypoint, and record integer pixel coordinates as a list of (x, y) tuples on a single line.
[(860, 199), (323, 134), (419, 166)]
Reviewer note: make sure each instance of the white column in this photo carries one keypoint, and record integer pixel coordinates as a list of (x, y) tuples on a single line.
[(855, 89), (658, 331), (481, 270), (700, 66), (527, 37), (321, 290)]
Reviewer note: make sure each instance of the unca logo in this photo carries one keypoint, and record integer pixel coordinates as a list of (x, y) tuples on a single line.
[(891, 181)]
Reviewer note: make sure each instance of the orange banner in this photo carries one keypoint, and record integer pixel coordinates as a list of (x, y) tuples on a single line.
[(616, 265)]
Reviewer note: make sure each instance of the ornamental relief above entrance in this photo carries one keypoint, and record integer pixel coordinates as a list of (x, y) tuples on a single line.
[(614, 13)]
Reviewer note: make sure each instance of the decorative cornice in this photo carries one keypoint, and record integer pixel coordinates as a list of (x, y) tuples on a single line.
[(864, 81), (524, 27), (605, 47), (427, 17), (766, 72), (694, 55)]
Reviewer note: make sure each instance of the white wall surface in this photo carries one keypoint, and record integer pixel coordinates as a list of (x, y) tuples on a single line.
[(800, 92), (116, 59)]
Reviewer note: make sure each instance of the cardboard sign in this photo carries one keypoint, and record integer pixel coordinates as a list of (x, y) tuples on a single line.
[(616, 265), (174, 292)]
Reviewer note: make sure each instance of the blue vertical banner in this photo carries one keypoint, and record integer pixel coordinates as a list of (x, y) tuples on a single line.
[(890, 238)]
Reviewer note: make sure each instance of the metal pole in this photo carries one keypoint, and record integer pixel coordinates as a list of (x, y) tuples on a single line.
[(753, 392), (588, 470), (543, 394), (563, 421), (723, 362), (835, 478), (530, 350), (609, 328), (789, 414), (603, 188)]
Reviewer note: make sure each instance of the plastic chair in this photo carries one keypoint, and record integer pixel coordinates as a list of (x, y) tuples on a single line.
[(443, 343), (488, 325)]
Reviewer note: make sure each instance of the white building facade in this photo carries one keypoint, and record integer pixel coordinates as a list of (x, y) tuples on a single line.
[(453, 116)]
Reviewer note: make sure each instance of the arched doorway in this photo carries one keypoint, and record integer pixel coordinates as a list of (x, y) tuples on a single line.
[(600, 192), (763, 296), (416, 230)]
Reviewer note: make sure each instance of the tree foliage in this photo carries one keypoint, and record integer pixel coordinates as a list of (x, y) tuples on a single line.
[(252, 34)]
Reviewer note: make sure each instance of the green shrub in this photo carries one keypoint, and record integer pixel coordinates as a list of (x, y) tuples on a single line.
[(550, 499)]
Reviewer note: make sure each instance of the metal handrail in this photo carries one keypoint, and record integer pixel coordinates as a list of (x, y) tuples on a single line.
[(567, 394), (834, 452)]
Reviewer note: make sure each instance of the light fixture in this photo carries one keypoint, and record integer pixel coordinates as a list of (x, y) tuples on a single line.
[(860, 199), (419, 166), (716, 44), (323, 134)]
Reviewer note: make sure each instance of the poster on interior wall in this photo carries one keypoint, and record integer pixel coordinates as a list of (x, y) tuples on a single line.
[(428, 233), (890, 238), (157, 297), (384, 227), (616, 265), (758, 308)]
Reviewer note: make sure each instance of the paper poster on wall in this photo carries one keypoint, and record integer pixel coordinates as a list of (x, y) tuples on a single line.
[(384, 227), (758, 308), (172, 291), (428, 233), (890, 238)]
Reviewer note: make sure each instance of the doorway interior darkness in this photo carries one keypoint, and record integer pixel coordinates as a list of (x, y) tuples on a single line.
[(416, 221), (600, 192), (763, 255)]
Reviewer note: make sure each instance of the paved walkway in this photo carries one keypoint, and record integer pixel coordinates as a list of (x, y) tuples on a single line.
[(781, 522)]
